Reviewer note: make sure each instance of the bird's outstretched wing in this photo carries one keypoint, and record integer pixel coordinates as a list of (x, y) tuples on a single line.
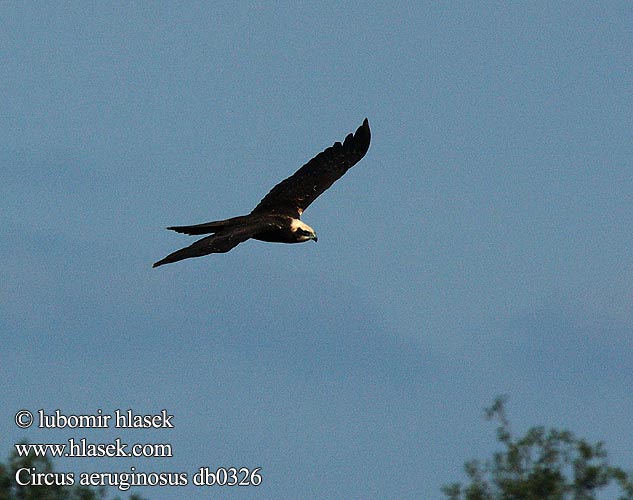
[(220, 242), (293, 195)]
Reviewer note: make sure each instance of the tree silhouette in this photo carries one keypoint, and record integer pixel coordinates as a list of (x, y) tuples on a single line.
[(10, 490), (542, 465)]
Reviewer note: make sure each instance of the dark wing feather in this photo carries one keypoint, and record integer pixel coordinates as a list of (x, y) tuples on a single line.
[(220, 242), (293, 195)]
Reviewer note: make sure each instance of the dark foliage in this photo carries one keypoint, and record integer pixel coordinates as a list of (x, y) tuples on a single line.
[(10, 490), (542, 465)]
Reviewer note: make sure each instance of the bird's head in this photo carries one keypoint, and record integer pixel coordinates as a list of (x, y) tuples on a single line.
[(302, 231)]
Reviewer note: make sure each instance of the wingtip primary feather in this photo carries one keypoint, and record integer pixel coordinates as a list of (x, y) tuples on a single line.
[(360, 139), (364, 126)]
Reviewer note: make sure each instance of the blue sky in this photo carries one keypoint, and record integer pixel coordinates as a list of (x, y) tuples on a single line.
[(482, 247)]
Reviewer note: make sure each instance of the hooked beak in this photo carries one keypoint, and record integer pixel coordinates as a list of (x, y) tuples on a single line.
[(314, 237)]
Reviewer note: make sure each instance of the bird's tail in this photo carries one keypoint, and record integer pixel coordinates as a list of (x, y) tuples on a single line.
[(208, 227)]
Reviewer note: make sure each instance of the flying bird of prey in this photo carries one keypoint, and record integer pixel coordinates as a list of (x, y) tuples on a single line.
[(277, 218)]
